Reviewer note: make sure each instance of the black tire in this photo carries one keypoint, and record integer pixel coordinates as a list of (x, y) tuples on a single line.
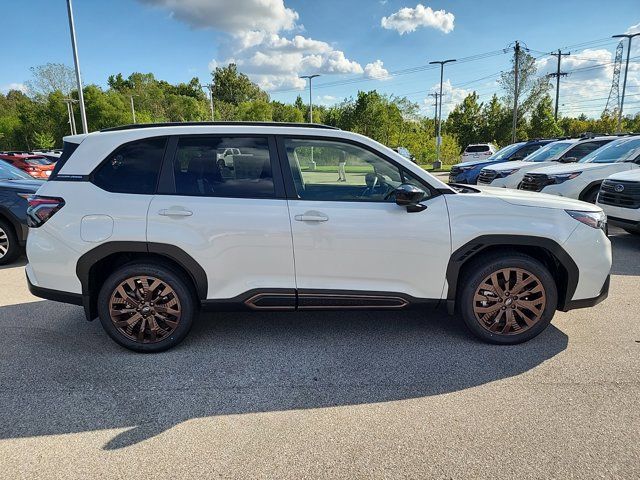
[(10, 249), (482, 268), (592, 195), (181, 290)]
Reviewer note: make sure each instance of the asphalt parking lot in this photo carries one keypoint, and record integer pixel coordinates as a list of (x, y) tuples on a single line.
[(351, 395)]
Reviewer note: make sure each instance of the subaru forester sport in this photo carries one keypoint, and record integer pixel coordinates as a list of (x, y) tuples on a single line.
[(143, 227)]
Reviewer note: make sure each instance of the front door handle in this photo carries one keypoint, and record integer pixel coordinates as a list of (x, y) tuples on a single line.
[(312, 217), (175, 212)]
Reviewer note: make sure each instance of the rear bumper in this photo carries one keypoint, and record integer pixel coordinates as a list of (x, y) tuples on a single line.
[(589, 302), (54, 295)]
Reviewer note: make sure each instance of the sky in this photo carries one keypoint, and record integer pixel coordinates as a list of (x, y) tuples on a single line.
[(353, 44)]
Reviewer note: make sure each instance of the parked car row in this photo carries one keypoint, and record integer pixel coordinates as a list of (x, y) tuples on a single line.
[(34, 164)]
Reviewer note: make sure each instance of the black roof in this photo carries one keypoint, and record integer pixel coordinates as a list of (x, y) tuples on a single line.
[(187, 124)]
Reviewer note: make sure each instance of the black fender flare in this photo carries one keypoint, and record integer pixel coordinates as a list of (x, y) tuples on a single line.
[(18, 227), (171, 252), (472, 248), (586, 189)]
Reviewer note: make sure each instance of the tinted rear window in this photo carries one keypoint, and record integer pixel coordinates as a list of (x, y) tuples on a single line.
[(37, 161), (67, 151), (477, 148), (132, 168)]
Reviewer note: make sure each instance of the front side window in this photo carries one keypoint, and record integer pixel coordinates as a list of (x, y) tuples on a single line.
[(622, 150), (132, 168), (223, 167), (583, 149), (336, 171)]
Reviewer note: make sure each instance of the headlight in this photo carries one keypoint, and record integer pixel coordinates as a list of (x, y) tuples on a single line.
[(506, 173), (591, 219), (564, 177)]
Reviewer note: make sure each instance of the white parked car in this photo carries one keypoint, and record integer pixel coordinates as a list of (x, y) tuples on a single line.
[(619, 197), (509, 175), (139, 226), (582, 180), (477, 151)]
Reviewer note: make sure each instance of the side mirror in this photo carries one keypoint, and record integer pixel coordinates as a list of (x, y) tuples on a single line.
[(569, 160), (410, 196), (517, 157)]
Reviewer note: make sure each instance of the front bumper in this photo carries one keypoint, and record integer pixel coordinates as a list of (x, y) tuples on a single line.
[(589, 302)]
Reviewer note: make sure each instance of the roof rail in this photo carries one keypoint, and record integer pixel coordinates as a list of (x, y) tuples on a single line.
[(232, 123)]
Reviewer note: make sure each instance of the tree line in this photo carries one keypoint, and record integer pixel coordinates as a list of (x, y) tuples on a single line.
[(39, 118)]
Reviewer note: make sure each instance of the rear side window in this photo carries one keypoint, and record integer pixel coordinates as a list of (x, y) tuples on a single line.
[(67, 150), (583, 149), (477, 148), (223, 167), (132, 168)]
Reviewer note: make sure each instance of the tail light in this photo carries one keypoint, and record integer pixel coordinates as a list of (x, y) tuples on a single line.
[(41, 209)]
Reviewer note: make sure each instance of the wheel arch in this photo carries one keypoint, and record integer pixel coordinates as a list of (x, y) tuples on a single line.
[(98, 263), (550, 253), (589, 188), (8, 216)]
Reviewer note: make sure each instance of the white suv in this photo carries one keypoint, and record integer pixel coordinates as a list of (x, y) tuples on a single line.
[(619, 197), (582, 180), (570, 150), (142, 227), (477, 151)]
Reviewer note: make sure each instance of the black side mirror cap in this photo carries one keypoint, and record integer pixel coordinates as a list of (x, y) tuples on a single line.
[(410, 196)]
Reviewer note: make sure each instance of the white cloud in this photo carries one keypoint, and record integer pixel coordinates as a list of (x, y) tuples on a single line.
[(408, 19), (376, 71), (255, 42), (452, 97), (326, 100), (231, 16), (13, 86)]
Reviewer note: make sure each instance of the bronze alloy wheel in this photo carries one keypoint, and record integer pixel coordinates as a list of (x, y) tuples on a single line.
[(509, 301), (144, 309), (4, 243)]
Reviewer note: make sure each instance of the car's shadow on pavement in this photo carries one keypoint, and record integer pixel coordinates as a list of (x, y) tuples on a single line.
[(61, 374)]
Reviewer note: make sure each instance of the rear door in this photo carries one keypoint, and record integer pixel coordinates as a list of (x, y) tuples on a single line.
[(221, 200), (349, 235)]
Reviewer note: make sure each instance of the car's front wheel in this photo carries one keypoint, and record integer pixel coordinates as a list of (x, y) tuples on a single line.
[(508, 298), (146, 307)]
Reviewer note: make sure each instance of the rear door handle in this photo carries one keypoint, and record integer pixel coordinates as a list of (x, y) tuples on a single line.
[(175, 212), (312, 217)]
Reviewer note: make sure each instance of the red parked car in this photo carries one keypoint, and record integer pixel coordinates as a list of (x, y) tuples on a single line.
[(35, 165)]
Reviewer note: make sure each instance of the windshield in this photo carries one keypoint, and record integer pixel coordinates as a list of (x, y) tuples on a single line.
[(9, 172), (506, 152), (37, 161), (621, 150), (548, 152)]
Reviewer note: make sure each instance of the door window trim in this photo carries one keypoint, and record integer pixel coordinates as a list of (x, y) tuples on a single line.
[(289, 184), (167, 182)]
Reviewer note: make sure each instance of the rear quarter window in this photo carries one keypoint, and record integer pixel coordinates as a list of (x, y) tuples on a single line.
[(132, 168), (67, 150)]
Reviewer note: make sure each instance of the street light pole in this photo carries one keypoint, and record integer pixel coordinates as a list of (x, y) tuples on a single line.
[(310, 77), (133, 109), (72, 29), (628, 36), (438, 162)]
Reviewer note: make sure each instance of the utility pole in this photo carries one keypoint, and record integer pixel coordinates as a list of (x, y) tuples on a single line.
[(72, 118), (72, 29), (628, 36), (210, 87), (557, 76), (133, 109), (516, 50), (310, 77), (438, 162)]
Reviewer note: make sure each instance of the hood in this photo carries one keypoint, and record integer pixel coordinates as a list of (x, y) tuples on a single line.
[(27, 186), (475, 163), (628, 176), (536, 199), (510, 165), (571, 167)]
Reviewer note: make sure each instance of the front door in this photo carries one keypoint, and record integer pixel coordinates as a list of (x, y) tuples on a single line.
[(224, 204), (349, 235)]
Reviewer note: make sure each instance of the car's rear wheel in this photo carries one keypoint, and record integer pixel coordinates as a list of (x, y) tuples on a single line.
[(146, 307), (9, 247), (507, 299)]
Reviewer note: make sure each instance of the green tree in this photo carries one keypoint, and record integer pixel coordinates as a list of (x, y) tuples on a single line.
[(531, 89), (233, 87), (44, 140), (52, 77), (286, 113), (464, 122), (542, 123)]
